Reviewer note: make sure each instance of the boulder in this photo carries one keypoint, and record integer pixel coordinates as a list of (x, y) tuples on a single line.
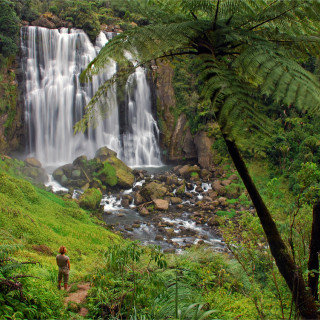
[(226, 182), (161, 204), (114, 171), (183, 171), (104, 154), (222, 201), (233, 191), (138, 199), (38, 175), (218, 187), (181, 190), (90, 199), (143, 211), (233, 177), (153, 190), (175, 200), (205, 174), (125, 203), (204, 151), (80, 161), (33, 162), (172, 179)]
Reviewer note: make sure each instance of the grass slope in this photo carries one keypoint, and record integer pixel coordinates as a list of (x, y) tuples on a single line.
[(40, 222)]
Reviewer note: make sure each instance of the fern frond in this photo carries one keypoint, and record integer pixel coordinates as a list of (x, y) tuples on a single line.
[(99, 106), (282, 79)]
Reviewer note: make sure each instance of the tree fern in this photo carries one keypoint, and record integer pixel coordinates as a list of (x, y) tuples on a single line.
[(254, 41)]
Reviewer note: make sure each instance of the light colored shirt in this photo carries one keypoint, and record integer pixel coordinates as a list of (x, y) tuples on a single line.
[(62, 262)]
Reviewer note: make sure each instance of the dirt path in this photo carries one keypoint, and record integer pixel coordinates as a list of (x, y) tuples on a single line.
[(79, 297)]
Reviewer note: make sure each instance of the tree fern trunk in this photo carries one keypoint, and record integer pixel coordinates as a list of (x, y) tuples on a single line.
[(313, 263), (303, 299)]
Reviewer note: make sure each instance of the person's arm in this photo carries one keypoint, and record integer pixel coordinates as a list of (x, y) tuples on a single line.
[(57, 261), (68, 263)]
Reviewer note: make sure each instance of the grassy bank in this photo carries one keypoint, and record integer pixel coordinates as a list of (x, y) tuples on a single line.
[(36, 223)]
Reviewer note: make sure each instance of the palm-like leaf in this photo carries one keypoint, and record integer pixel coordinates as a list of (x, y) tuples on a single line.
[(246, 48)]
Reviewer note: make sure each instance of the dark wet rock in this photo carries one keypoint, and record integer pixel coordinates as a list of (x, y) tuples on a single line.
[(136, 226), (139, 199), (158, 237), (199, 189), (125, 203), (139, 174), (189, 194), (136, 188), (189, 186)]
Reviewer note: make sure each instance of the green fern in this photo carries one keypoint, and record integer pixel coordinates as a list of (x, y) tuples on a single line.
[(246, 49)]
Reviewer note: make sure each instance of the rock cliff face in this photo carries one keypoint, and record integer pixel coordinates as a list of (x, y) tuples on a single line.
[(176, 138), (166, 101)]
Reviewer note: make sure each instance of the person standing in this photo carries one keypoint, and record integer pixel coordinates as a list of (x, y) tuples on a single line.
[(63, 263)]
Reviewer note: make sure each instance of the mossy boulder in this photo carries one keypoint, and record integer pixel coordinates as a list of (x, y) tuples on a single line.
[(104, 171), (90, 199), (123, 174), (153, 190)]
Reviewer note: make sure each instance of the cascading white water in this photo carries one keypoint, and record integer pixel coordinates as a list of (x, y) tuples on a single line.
[(54, 101), (140, 141)]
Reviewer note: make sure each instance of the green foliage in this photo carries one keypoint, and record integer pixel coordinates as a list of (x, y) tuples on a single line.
[(107, 174), (126, 283), (238, 65), (9, 29), (228, 214), (90, 199), (21, 295)]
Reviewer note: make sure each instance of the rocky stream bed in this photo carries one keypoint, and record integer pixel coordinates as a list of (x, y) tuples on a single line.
[(175, 207)]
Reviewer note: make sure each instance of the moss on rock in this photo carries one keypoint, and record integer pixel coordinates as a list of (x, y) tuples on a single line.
[(90, 199)]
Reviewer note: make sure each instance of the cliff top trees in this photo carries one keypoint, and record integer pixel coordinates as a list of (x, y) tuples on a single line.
[(9, 29), (248, 51)]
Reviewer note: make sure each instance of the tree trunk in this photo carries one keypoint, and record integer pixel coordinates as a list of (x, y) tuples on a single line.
[(313, 263), (303, 299)]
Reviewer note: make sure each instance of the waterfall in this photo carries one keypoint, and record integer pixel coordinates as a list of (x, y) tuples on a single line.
[(54, 99)]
